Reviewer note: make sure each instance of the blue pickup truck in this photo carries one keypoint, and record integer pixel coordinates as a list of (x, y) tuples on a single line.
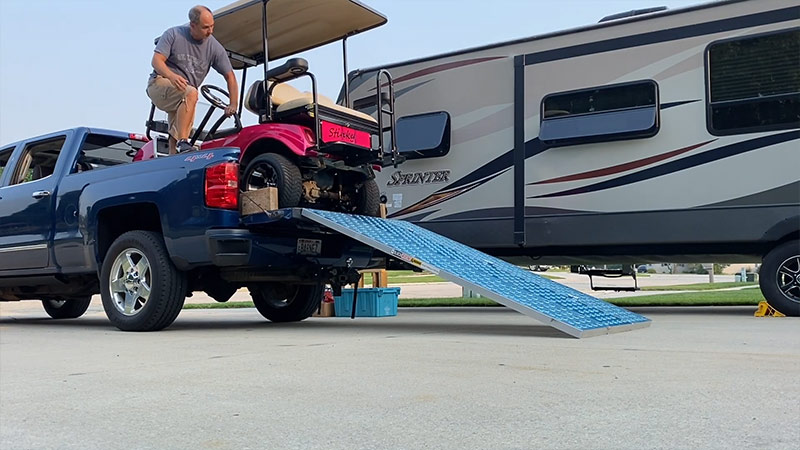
[(79, 217)]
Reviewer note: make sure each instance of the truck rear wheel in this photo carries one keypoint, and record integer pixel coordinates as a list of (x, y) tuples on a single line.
[(287, 302), (141, 289), (67, 309), (779, 278)]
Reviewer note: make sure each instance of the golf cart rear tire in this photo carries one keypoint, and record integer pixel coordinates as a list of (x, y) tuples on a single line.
[(783, 259), (67, 309), (369, 199), (288, 179)]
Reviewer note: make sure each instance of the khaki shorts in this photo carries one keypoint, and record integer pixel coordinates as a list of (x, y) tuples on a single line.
[(168, 99)]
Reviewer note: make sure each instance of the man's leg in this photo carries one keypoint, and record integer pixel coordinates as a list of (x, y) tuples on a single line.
[(185, 113), (176, 104)]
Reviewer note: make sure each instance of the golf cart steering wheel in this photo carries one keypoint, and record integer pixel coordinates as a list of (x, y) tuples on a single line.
[(213, 99), (216, 102)]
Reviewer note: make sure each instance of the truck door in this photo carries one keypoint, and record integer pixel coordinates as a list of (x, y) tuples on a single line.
[(27, 197)]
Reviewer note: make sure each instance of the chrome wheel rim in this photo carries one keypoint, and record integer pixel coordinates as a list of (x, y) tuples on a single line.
[(130, 281), (788, 278)]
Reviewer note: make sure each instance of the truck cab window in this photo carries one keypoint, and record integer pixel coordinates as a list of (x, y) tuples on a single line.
[(100, 151), (754, 83), (38, 160), (5, 155)]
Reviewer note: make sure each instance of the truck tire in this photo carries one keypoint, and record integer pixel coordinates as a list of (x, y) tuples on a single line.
[(271, 169), (368, 201), (779, 278), (67, 309), (141, 288), (287, 302)]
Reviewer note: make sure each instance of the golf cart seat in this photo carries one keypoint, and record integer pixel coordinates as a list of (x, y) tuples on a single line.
[(288, 100)]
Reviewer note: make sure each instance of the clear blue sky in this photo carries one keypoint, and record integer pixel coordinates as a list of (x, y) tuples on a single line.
[(86, 62)]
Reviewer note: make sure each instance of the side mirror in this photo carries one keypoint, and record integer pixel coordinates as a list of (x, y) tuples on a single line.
[(423, 135)]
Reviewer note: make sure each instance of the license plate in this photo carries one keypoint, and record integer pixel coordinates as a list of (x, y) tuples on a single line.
[(309, 246), (337, 133)]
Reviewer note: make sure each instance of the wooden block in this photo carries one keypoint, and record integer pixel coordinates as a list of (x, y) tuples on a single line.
[(252, 202), (380, 278), (383, 210)]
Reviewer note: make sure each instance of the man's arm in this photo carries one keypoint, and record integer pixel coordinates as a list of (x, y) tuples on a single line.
[(159, 63), (233, 90)]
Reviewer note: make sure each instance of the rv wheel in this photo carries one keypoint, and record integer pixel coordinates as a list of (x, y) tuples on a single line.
[(779, 278), (271, 169), (67, 309), (286, 302)]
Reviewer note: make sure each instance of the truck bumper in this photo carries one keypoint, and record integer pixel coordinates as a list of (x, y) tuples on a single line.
[(244, 248)]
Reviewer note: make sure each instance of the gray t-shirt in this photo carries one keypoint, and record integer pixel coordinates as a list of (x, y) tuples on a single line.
[(191, 58)]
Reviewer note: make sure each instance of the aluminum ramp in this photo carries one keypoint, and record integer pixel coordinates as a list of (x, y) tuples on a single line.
[(559, 306)]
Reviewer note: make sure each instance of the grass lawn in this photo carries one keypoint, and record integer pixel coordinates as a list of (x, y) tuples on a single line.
[(409, 276), (711, 298), (700, 286)]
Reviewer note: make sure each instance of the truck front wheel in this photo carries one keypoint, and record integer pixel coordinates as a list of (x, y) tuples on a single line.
[(779, 278), (287, 302), (67, 309), (141, 288)]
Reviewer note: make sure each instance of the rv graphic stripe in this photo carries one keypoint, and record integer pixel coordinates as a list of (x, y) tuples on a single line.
[(674, 34), (682, 164), (441, 68), (622, 167)]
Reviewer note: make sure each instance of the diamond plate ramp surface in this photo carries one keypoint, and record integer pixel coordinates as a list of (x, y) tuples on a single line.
[(559, 306)]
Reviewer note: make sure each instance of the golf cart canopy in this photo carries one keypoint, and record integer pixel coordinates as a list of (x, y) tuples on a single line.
[(293, 25)]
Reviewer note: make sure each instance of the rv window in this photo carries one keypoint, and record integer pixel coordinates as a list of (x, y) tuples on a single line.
[(600, 114), (424, 135), (754, 83)]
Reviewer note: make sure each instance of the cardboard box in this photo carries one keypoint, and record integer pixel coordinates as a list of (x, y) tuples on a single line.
[(325, 310), (252, 202)]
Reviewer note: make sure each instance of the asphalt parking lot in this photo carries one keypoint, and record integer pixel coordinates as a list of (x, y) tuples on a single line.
[(467, 378)]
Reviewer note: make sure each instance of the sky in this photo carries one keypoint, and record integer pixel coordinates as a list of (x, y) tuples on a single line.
[(68, 63)]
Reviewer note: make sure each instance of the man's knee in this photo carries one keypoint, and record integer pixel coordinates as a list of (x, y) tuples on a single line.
[(191, 95)]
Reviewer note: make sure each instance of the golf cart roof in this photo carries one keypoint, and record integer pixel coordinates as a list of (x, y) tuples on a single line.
[(293, 25)]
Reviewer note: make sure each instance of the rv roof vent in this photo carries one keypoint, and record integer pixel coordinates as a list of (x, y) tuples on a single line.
[(631, 13)]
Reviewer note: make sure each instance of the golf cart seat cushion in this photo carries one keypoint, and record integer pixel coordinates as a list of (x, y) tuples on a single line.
[(286, 97)]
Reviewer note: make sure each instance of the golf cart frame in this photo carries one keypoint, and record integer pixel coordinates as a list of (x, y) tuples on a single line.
[(317, 153)]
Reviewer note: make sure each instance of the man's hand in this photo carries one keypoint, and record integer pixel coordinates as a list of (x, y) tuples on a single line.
[(231, 110), (179, 82)]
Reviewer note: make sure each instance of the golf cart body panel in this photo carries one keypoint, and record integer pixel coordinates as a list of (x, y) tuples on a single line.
[(297, 138)]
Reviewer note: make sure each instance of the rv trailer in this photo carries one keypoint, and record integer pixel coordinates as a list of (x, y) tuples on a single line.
[(671, 135)]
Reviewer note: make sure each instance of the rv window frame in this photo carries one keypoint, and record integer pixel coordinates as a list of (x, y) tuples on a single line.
[(444, 144), (709, 105), (622, 136)]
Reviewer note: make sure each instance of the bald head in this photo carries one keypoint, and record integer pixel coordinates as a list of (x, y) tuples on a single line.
[(201, 22)]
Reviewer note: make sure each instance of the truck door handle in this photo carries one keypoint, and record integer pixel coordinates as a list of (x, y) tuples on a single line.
[(40, 194)]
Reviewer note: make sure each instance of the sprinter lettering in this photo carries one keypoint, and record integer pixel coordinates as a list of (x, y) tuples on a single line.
[(438, 176)]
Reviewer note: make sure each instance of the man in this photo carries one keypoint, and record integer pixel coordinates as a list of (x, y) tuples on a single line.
[(182, 58)]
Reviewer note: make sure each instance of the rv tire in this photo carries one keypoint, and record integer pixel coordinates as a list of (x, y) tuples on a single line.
[(779, 278)]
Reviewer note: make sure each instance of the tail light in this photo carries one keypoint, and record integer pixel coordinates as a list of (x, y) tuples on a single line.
[(222, 186)]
